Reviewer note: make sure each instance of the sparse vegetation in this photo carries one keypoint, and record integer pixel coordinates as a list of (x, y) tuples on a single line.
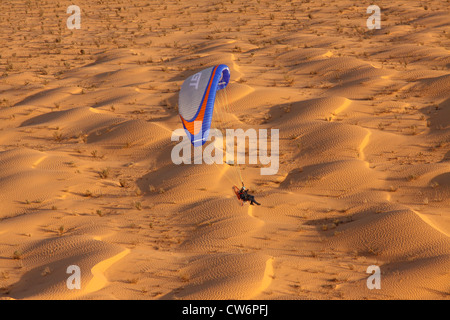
[(57, 136), (138, 205), (123, 183), (104, 174), (17, 255)]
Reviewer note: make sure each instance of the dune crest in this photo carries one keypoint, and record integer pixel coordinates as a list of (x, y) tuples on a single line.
[(99, 280)]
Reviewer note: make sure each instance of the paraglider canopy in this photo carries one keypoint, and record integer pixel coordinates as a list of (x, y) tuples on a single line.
[(196, 101)]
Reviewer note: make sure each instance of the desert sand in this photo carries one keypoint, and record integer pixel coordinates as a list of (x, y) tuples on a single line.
[(86, 177)]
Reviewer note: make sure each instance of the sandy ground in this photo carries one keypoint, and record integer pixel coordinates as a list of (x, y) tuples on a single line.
[(86, 177)]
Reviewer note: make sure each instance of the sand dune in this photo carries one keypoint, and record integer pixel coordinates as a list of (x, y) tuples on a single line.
[(250, 275), (86, 176)]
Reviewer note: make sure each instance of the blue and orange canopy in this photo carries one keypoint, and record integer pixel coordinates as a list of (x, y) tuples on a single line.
[(196, 101)]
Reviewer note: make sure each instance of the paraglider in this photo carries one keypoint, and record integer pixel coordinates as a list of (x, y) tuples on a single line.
[(196, 106), (243, 196)]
